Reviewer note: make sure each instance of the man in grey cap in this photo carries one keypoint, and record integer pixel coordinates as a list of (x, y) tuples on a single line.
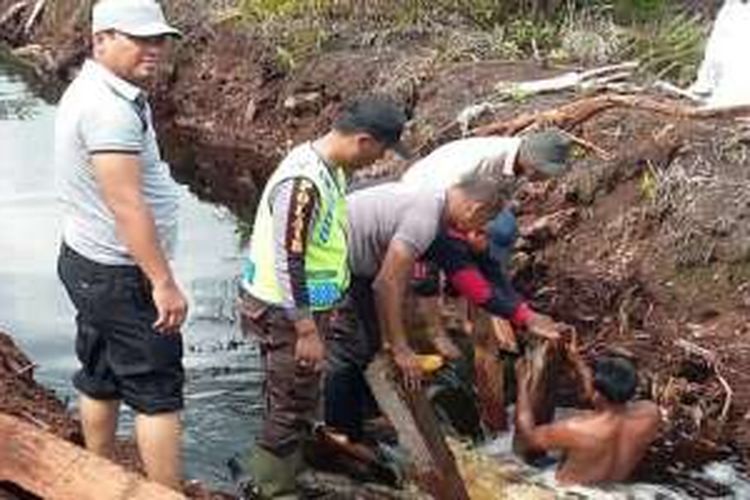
[(120, 226), (534, 156)]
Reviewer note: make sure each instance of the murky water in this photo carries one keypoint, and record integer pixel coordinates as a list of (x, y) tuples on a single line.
[(223, 379), (223, 405)]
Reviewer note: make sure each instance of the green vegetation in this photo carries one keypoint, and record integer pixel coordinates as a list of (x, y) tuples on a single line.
[(661, 34)]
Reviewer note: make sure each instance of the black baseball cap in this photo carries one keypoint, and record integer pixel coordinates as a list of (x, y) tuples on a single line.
[(380, 116)]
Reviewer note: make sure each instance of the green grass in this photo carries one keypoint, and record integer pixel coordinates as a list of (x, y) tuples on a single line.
[(669, 43)]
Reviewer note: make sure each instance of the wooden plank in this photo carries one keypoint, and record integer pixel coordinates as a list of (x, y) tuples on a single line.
[(435, 469), (54, 469)]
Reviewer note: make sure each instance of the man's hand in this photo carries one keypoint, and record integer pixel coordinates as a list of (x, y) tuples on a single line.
[(171, 307), (309, 352), (408, 364), (543, 326)]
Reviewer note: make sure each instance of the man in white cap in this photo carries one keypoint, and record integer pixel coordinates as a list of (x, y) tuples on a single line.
[(120, 225)]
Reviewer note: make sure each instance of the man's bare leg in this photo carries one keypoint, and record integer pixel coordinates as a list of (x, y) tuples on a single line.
[(99, 422), (159, 439)]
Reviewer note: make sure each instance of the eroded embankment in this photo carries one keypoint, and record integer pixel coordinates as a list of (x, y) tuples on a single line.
[(646, 250)]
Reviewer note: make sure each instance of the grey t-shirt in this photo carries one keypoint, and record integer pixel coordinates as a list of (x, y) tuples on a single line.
[(386, 212), (101, 112)]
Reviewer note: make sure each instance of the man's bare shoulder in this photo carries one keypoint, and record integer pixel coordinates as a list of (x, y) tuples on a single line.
[(644, 409), (644, 406)]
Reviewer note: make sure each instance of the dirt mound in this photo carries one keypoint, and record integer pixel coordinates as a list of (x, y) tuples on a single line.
[(21, 396)]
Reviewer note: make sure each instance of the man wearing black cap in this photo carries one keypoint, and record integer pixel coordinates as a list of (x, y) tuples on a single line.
[(297, 271)]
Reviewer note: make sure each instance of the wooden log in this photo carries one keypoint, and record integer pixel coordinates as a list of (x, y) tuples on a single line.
[(55, 469), (435, 469), (489, 375)]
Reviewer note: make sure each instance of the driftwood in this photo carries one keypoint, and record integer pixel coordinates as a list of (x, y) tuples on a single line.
[(578, 80), (435, 469), (54, 469), (570, 115)]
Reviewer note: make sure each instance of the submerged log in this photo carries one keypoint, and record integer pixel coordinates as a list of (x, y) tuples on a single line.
[(435, 469), (55, 469)]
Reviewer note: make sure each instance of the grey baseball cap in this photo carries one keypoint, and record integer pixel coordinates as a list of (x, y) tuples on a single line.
[(138, 18), (546, 151)]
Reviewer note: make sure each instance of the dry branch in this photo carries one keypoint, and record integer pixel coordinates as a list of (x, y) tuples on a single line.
[(577, 112), (35, 16), (583, 80), (12, 12)]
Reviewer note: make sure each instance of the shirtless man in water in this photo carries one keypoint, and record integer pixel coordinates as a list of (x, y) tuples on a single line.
[(599, 446)]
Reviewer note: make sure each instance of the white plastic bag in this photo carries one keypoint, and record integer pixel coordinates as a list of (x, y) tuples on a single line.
[(724, 76)]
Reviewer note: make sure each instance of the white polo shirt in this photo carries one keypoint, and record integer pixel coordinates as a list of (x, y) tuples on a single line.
[(448, 164), (101, 112)]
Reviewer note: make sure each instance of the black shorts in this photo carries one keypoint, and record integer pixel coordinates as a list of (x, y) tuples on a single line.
[(122, 357)]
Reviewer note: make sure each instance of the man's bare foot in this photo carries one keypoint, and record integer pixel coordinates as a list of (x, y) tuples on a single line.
[(445, 347)]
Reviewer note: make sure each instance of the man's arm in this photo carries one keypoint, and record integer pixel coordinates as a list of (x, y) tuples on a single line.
[(119, 178), (581, 369), (294, 206), (390, 287), (492, 291), (555, 436)]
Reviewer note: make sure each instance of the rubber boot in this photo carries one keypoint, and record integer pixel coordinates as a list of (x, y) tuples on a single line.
[(276, 477)]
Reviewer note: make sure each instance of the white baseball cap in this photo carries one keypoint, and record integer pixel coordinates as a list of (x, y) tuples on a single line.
[(138, 18)]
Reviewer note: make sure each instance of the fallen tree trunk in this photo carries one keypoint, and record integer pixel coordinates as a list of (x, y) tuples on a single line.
[(55, 469), (435, 469)]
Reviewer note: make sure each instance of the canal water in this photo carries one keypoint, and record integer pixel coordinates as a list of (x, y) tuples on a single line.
[(223, 406), (223, 377)]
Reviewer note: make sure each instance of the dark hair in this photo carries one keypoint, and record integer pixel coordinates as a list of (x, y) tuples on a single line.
[(486, 190), (615, 378), (381, 116)]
